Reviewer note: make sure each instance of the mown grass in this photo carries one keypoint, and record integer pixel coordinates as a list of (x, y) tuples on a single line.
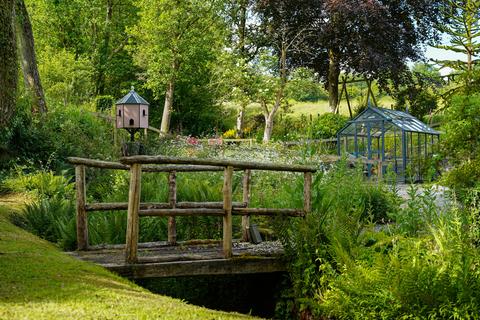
[(38, 281), (297, 108), (321, 106)]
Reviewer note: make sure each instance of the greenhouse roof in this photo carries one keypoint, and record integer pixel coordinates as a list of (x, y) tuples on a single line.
[(400, 119)]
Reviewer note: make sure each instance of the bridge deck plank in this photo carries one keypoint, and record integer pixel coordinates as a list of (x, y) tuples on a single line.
[(188, 259)]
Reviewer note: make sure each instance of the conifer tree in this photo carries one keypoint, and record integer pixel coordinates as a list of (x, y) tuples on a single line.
[(464, 32)]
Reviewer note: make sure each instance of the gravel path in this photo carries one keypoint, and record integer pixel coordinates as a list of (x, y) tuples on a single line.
[(441, 193)]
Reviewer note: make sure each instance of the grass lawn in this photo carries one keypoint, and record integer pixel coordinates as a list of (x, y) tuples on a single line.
[(321, 106), (298, 109), (38, 281)]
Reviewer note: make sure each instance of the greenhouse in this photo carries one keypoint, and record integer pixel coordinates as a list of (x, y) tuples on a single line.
[(397, 139)]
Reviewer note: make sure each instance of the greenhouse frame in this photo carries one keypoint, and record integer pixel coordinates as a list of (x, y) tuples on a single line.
[(396, 138)]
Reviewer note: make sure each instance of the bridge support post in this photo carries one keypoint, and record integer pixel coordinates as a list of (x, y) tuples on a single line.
[(227, 217), (172, 199), (82, 223), (246, 200), (133, 217), (307, 192)]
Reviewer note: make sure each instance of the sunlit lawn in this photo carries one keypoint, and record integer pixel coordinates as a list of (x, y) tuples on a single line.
[(298, 109), (38, 281)]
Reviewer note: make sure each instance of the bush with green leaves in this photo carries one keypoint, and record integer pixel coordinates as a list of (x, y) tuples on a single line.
[(52, 219), (327, 125), (51, 214), (461, 140), (343, 267), (63, 132), (317, 246), (435, 276), (104, 103), (303, 87), (41, 184)]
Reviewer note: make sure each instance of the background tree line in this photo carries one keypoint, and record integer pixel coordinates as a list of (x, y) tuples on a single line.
[(192, 58)]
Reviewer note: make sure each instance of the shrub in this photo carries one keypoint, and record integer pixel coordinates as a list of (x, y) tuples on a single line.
[(342, 267), (103, 103), (435, 277), (462, 128), (327, 125), (303, 87), (464, 175), (63, 132), (42, 184), (319, 246), (52, 219)]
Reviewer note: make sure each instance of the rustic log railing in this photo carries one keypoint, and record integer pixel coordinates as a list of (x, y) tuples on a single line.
[(172, 208)]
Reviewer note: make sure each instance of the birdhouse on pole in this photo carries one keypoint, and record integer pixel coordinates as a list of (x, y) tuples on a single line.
[(131, 112)]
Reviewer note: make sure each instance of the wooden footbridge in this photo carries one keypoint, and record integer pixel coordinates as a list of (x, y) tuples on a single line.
[(172, 258)]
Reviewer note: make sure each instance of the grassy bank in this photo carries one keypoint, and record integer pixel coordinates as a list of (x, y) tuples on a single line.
[(38, 281)]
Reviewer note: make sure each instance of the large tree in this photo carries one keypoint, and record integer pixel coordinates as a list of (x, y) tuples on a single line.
[(28, 59), (8, 65), (173, 38), (241, 32), (93, 31), (374, 39), (285, 25)]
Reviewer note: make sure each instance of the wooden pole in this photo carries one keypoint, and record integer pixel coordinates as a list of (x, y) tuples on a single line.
[(82, 223), (246, 200), (133, 208), (227, 206), (172, 199), (307, 192)]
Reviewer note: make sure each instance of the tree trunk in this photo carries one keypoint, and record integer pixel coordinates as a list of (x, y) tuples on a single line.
[(8, 65), (240, 121), (167, 109), (269, 116), (243, 55), (267, 133), (332, 83), (28, 59), (104, 52), (242, 29)]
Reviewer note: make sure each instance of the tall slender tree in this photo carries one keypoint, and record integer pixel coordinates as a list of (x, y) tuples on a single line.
[(8, 65), (174, 37), (238, 15), (285, 25), (28, 59)]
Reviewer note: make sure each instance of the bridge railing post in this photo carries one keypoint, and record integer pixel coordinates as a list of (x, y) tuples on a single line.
[(307, 192), (172, 199), (82, 222), (133, 213), (246, 201), (227, 217)]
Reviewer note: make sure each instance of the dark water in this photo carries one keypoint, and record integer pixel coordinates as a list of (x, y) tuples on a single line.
[(252, 293)]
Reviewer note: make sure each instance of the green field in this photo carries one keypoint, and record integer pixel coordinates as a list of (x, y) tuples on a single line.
[(297, 108), (38, 281)]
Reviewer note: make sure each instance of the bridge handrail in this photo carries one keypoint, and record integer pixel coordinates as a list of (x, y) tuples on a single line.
[(92, 163), (216, 162), (226, 209)]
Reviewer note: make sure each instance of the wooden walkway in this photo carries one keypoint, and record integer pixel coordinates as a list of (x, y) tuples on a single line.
[(191, 258)]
